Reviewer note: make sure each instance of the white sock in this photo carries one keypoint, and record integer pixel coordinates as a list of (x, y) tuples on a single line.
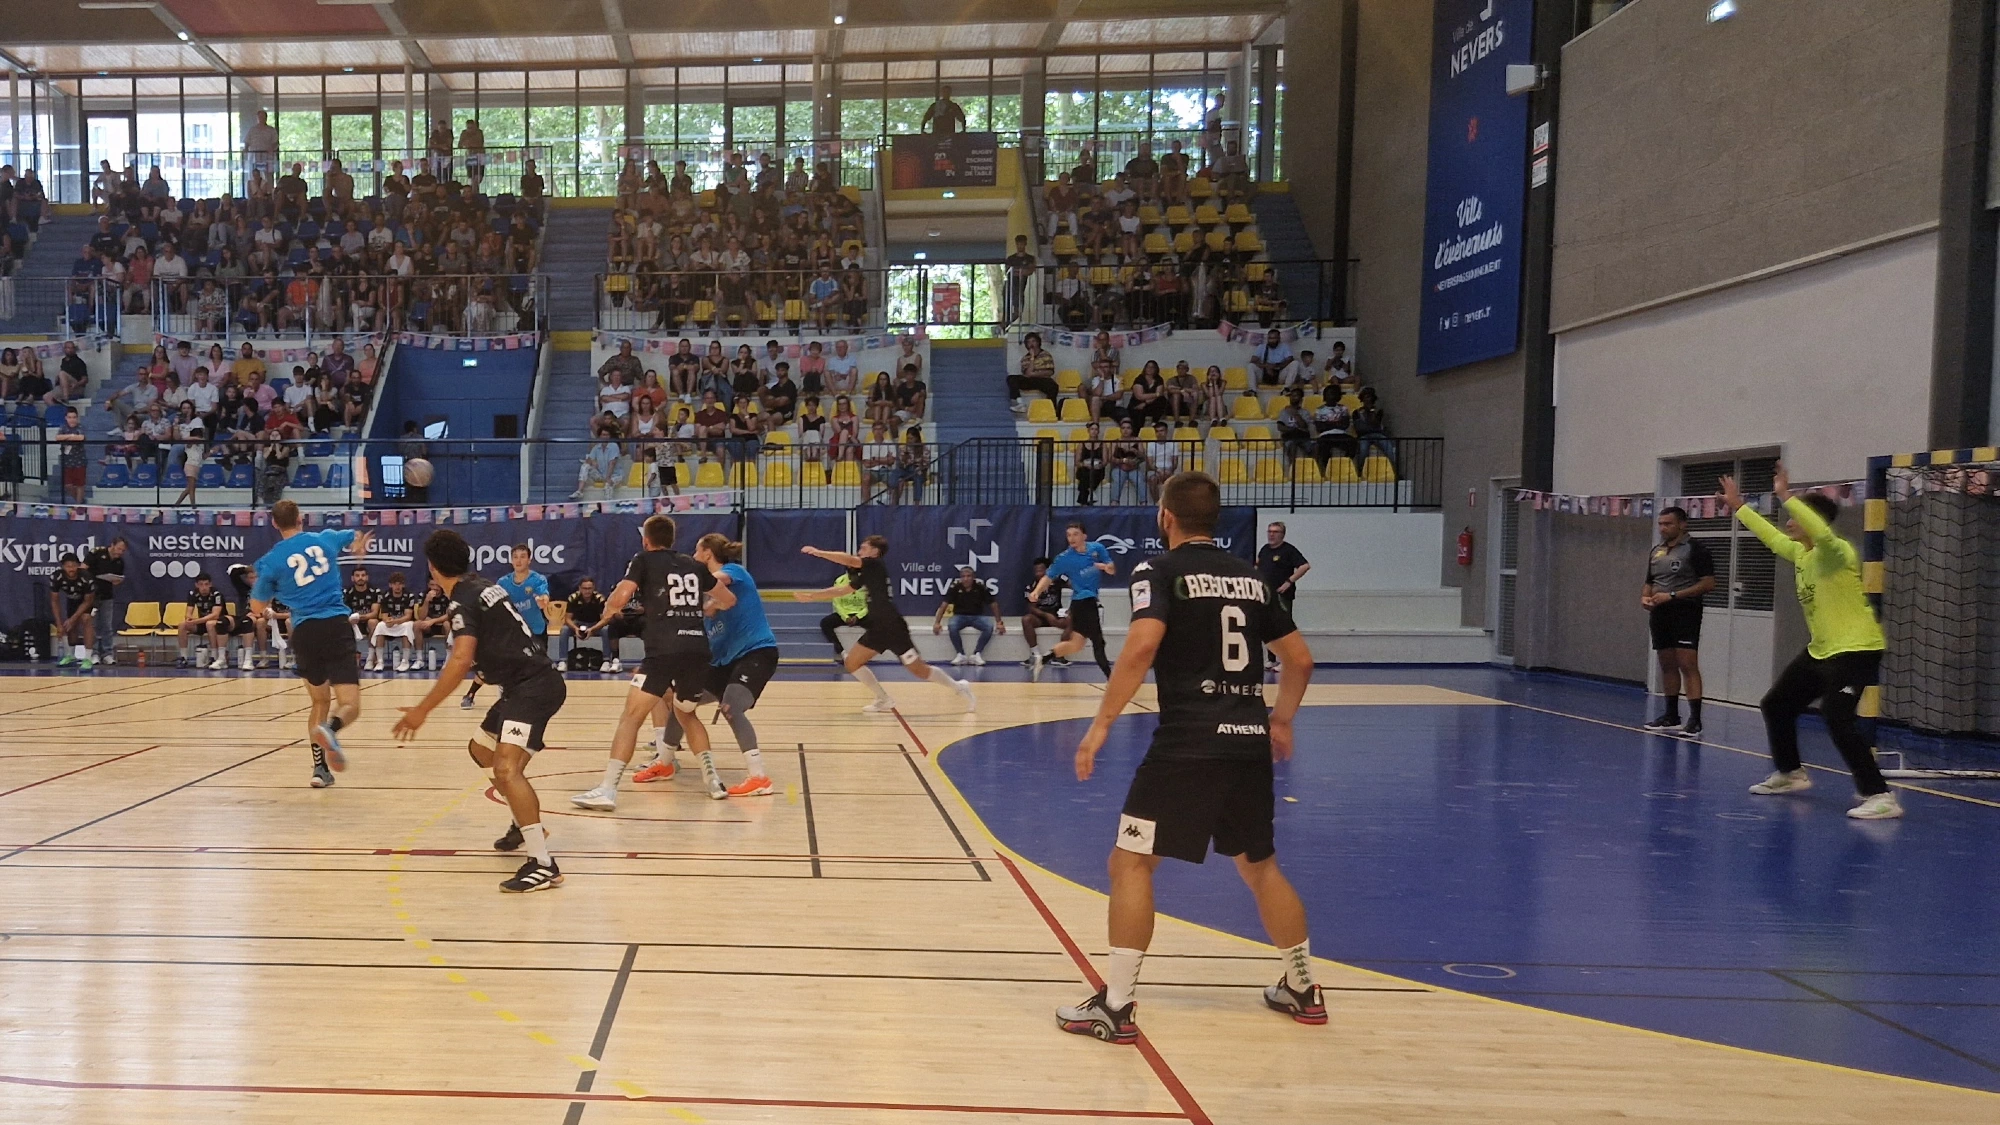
[(1121, 976), (1298, 966), (753, 758), (662, 749), (536, 841), (613, 770), (708, 774), (867, 678)]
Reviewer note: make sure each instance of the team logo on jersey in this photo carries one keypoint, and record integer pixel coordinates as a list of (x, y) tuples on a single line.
[(1142, 595)]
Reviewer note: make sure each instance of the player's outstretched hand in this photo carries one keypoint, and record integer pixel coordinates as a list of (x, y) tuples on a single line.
[(1086, 751), (363, 540), (412, 721), (1731, 494), (1781, 483), (1281, 739)]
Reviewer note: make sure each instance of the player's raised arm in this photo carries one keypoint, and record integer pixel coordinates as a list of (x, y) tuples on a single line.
[(621, 595), (838, 558)]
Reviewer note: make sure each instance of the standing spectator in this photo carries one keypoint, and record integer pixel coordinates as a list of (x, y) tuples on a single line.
[(972, 606), (944, 117), (75, 457), (1022, 265), (439, 144), (260, 156), (107, 572), (1282, 565), (472, 142), (1038, 373)]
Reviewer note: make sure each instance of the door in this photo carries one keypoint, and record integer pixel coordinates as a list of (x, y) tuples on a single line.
[(113, 137), (355, 136), (753, 126), (1738, 622)]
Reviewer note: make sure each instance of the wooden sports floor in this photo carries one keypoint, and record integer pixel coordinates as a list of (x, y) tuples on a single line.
[(190, 934)]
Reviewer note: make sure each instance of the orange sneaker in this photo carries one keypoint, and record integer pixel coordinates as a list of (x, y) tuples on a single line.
[(662, 769), (751, 787)]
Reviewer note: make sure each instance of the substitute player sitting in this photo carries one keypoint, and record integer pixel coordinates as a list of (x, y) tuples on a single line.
[(204, 617), (395, 619), (1201, 618), (489, 635)]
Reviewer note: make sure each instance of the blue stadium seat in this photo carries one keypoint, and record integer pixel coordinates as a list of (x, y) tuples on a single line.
[(210, 476), (150, 232), (53, 415), (147, 475), (319, 447), (114, 476), (279, 384), (176, 478), (309, 230), (242, 476), (336, 475), (297, 258), (307, 476)]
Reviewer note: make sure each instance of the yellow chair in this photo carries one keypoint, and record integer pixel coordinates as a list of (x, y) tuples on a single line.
[(1217, 241), (1207, 216), (709, 475), (1073, 410), (765, 313), (1156, 243), (1223, 432), (1060, 468), (635, 476), (1277, 405), (1378, 470), (778, 473), (1128, 377), (705, 199), (1178, 216), (1064, 246), (1253, 272), (704, 313), (778, 437), (1069, 379), (1259, 432), (1076, 434), (1234, 471), (847, 473), (1340, 470), (683, 476), (1247, 406), (812, 474), (853, 248), (1101, 276), (795, 310), (743, 475), (1042, 410), (141, 618), (852, 193), (1184, 243), (1236, 300), (1249, 242), (1149, 214), (1270, 467), (1047, 434), (1352, 402), (1187, 433), (1236, 378), (1150, 433), (1312, 402), (1238, 215), (1201, 187), (1306, 471)]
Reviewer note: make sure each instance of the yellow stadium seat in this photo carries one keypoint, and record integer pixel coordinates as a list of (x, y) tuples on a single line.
[(852, 193), (847, 473), (1184, 242), (1149, 214), (1312, 402), (709, 475), (1073, 410), (743, 474), (1249, 242), (141, 618), (704, 312), (1233, 470), (1178, 216), (1041, 410), (1069, 379), (1150, 433), (1064, 246), (1270, 468), (778, 437), (812, 474), (705, 199), (1259, 432), (1217, 241), (1306, 471), (1378, 470), (683, 476), (1236, 301), (1340, 470), (635, 477), (778, 473), (1206, 215), (795, 311), (1187, 433), (765, 313), (1254, 272), (1238, 215), (1102, 275), (1201, 187), (1247, 406), (1236, 378), (1078, 433), (618, 283), (1276, 406), (171, 616), (1156, 243), (1129, 376), (853, 248), (1047, 434), (1350, 401), (1223, 432)]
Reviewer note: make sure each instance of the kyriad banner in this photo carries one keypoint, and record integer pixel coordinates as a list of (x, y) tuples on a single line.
[(1132, 535), (1477, 184)]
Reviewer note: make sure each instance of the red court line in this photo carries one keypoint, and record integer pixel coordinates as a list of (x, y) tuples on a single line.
[(898, 712), (553, 1096), (78, 770)]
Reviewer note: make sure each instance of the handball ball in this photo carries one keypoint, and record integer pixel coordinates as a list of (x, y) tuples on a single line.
[(417, 472)]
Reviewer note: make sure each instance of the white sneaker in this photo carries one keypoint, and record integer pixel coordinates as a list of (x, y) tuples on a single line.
[(958, 659), (879, 707), (1780, 782), (977, 660), (402, 662), (965, 692), (614, 667), (600, 799), (1882, 806), (246, 663), (221, 662), (110, 658)]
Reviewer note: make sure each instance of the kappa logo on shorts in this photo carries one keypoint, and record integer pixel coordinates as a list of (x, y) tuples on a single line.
[(513, 732), (1135, 835), (639, 680)]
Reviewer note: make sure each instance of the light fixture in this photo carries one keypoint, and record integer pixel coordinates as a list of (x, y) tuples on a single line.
[(1721, 10), (933, 233), (951, 195), (839, 12), (920, 256), (182, 36), (757, 58), (347, 70)]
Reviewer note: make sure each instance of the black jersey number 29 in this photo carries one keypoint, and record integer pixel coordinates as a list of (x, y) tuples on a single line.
[(683, 591)]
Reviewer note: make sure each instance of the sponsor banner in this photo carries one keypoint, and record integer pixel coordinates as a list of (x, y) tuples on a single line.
[(270, 352), (771, 542), (444, 341), (1132, 535), (1697, 507), (53, 351), (1251, 335), (927, 545), (1471, 300), (944, 160)]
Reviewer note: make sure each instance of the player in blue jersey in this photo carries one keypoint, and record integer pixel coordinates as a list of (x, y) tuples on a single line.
[(1085, 564), (303, 572), (743, 656), (528, 589)]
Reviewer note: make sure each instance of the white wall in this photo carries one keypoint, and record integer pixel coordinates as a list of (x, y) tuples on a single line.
[(1831, 363), (1362, 548), (1200, 348)]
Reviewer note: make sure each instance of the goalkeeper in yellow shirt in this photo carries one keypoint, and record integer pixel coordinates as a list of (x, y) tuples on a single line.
[(1843, 659)]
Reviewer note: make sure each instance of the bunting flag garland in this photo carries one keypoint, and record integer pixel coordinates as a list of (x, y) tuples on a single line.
[(720, 500), (794, 346), (441, 341), (1645, 507), (269, 351)]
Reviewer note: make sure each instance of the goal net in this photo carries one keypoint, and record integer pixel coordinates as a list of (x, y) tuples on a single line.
[(1933, 562)]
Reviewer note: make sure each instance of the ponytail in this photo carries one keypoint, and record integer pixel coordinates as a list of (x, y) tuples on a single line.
[(722, 547)]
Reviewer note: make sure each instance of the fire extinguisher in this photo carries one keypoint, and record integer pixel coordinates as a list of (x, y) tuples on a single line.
[(1465, 547)]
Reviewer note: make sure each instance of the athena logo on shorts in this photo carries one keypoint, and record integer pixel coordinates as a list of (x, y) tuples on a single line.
[(1135, 835), (513, 732)]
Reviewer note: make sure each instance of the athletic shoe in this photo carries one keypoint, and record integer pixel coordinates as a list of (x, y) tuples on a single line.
[(465, 702), (1092, 1017), (534, 875), (109, 659), (1058, 661), (66, 660), (879, 707), (180, 661), (1035, 662), (329, 744), (839, 661), (1882, 806), (965, 692), (1030, 661), (322, 777), (751, 787), (976, 660), (716, 790), (86, 663), (616, 666), (247, 662), (661, 769), (402, 662), (511, 841), (1692, 729), (1668, 720), (1781, 782), (221, 662), (1306, 1007), (958, 659), (599, 799)]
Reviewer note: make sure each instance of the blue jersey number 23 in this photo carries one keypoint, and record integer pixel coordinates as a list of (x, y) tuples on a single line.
[(308, 565)]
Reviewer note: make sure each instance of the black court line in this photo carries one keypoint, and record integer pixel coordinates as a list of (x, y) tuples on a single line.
[(1130, 703), (812, 830), (948, 821), (1885, 1021), (585, 1080), (92, 696), (148, 800)]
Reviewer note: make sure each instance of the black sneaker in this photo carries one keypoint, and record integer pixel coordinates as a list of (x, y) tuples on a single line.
[(1093, 1018), (1306, 1007), (510, 842), (465, 704), (534, 875), (1058, 661), (1692, 729), (322, 777), (1669, 720)]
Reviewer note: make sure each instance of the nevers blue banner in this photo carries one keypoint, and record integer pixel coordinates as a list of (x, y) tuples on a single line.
[(1478, 179), (1132, 535), (927, 545)]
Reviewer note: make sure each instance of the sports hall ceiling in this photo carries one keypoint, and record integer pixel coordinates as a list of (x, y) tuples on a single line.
[(251, 37)]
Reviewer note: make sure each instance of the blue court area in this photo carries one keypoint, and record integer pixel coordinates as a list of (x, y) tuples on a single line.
[(1540, 854)]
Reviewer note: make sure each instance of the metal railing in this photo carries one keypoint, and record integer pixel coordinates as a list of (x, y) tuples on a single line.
[(59, 307), (979, 298), (311, 305), (211, 175)]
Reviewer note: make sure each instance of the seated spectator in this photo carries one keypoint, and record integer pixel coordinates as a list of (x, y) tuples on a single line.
[(781, 397), (1301, 373), (600, 461), (1088, 469), (1271, 358), (1295, 429), (1163, 460), (1371, 428), (31, 385), (1037, 373), (1330, 432), (911, 395), (1103, 394), (879, 461), (1127, 457)]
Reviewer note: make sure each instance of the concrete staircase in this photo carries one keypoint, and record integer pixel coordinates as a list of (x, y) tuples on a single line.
[(39, 297), (572, 257), (968, 402), (1286, 240)]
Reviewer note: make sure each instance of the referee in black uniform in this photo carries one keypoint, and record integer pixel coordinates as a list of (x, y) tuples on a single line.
[(1201, 618), (1679, 573), (1282, 565)]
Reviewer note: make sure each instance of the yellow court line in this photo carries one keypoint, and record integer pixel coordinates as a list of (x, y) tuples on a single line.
[(937, 768)]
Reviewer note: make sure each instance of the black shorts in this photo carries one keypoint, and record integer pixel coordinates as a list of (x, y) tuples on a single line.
[(241, 625), (685, 675), (1177, 805), (1676, 625), (70, 608), (520, 717), (753, 670), (888, 632), (324, 650), (1083, 619)]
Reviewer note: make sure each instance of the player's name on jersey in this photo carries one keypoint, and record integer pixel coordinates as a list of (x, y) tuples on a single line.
[(1237, 587)]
